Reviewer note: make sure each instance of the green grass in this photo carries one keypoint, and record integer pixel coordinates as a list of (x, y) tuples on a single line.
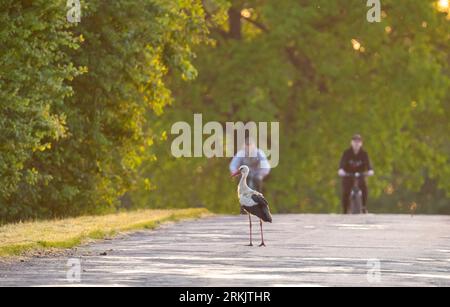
[(17, 239)]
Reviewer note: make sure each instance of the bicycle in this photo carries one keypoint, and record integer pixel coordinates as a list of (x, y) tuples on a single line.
[(356, 195)]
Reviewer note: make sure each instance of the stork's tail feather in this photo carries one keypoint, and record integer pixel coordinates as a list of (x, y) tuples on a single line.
[(266, 217)]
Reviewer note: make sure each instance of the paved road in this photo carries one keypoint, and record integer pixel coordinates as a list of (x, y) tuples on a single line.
[(302, 250)]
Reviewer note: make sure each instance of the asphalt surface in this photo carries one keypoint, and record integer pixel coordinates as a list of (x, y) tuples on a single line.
[(302, 250)]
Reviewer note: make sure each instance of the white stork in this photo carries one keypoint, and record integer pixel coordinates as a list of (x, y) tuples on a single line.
[(252, 202)]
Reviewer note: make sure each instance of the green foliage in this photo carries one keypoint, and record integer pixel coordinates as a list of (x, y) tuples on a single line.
[(81, 105), (34, 70), (79, 154), (295, 62)]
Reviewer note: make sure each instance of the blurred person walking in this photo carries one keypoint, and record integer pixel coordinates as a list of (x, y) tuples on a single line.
[(255, 159)]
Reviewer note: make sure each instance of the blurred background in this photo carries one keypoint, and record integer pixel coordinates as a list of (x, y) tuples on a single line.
[(86, 108)]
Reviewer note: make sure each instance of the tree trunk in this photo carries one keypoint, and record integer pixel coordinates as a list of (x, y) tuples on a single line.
[(234, 23)]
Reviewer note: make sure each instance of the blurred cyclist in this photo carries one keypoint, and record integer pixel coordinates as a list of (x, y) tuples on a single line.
[(354, 160)]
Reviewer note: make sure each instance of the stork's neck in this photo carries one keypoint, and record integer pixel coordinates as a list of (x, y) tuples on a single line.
[(243, 183)]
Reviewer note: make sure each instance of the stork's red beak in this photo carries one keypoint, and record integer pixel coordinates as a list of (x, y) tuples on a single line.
[(235, 174)]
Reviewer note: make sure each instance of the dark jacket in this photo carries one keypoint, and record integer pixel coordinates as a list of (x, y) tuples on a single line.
[(355, 163)]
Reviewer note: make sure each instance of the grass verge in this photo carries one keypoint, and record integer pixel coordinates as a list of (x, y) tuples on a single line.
[(16, 239)]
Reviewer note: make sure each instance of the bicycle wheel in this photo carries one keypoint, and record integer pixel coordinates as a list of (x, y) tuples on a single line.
[(356, 203)]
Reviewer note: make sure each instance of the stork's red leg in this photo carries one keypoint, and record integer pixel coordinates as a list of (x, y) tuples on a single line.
[(262, 236), (250, 223)]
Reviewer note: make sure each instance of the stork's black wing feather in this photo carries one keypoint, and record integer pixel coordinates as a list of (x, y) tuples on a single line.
[(260, 200), (261, 210)]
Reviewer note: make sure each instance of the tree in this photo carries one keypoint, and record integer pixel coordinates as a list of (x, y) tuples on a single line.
[(127, 50), (324, 72), (34, 71)]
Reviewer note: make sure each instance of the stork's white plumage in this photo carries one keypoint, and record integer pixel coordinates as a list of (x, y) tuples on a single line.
[(252, 202)]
